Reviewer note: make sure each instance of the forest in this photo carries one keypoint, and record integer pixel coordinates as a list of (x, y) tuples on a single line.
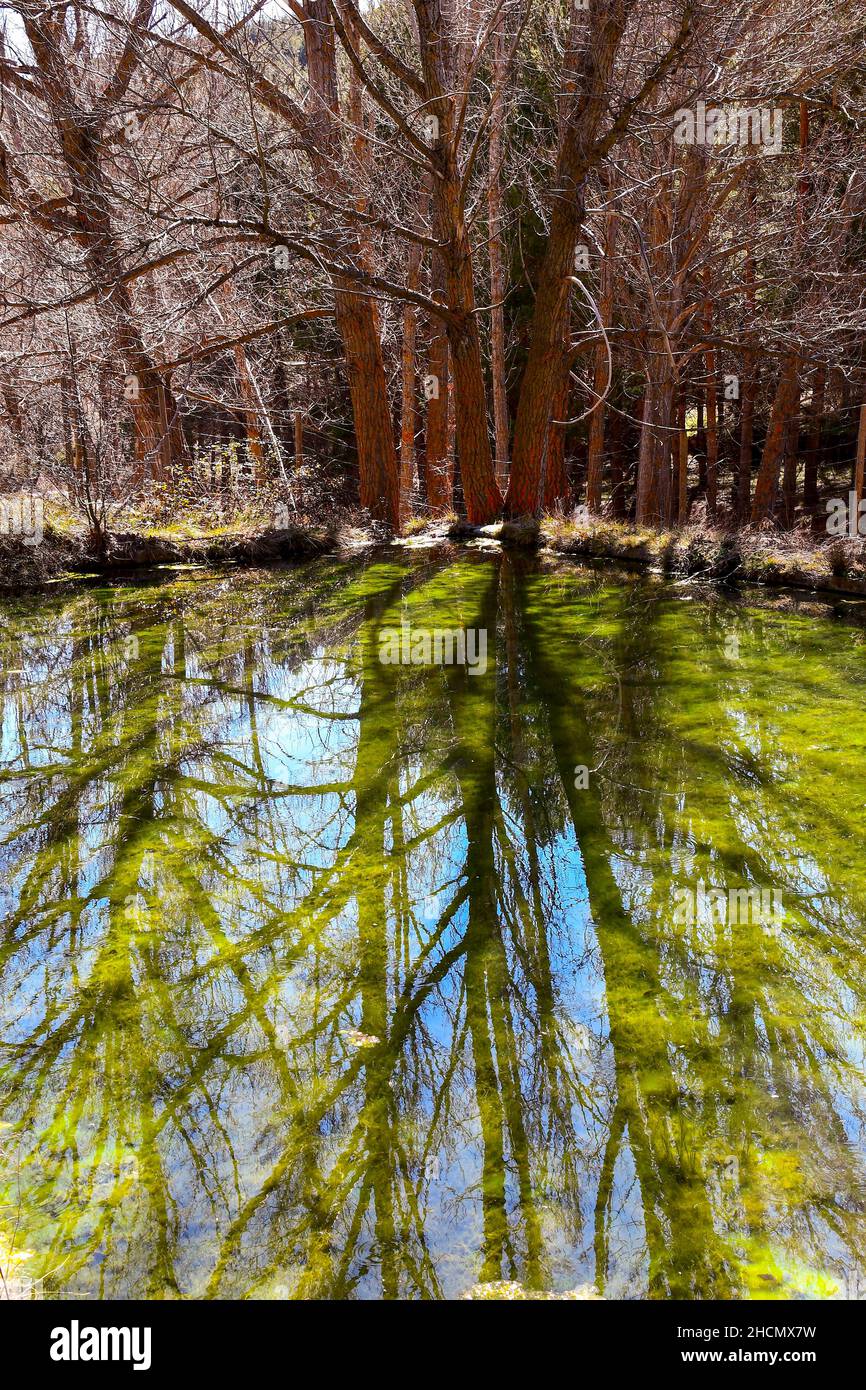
[(436, 260)]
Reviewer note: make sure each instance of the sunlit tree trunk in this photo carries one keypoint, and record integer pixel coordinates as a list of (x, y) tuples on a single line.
[(481, 494), (409, 391), (682, 456), (439, 464), (601, 372), (784, 403), (498, 283), (712, 425), (747, 430), (860, 460), (557, 488), (789, 475), (592, 48), (646, 506), (813, 442), (251, 415), (356, 315), (664, 446), (749, 382), (614, 433)]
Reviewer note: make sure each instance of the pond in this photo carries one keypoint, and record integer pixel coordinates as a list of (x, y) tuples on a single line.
[(394, 925)]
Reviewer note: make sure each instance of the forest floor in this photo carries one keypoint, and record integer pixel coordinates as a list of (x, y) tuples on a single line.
[(796, 559)]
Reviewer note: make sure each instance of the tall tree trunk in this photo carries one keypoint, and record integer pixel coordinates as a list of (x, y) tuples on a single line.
[(860, 460), (439, 466), (712, 416), (702, 447), (481, 494), (664, 446), (251, 414), (783, 406), (70, 440), (378, 467), (298, 461), (81, 142), (356, 315), (682, 465), (646, 506), (600, 372), (617, 479), (591, 56), (789, 475), (408, 402), (557, 488), (747, 432), (542, 374), (749, 384), (813, 442), (498, 284)]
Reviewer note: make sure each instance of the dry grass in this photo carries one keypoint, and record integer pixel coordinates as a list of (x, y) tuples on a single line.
[(767, 556)]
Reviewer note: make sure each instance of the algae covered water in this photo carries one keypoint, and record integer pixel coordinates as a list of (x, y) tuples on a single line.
[(395, 926)]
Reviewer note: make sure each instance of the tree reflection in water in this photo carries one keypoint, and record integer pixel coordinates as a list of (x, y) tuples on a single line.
[(326, 978)]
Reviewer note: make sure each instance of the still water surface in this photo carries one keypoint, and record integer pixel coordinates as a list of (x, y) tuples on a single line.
[(322, 977)]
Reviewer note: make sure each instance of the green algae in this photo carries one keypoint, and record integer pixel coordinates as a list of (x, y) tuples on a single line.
[(328, 978)]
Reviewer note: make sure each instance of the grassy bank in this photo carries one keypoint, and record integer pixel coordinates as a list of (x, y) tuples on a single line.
[(793, 559), (64, 555)]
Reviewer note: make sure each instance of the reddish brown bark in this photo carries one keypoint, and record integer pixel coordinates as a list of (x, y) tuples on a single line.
[(617, 479), (789, 476), (409, 390), (749, 383), (592, 50), (664, 446), (712, 426), (600, 373), (481, 494), (497, 274), (356, 315), (682, 506), (439, 465), (378, 467), (646, 505), (860, 461), (813, 443), (748, 391), (784, 403), (557, 488)]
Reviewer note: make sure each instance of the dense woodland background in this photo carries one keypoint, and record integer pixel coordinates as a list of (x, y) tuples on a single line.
[(433, 256)]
